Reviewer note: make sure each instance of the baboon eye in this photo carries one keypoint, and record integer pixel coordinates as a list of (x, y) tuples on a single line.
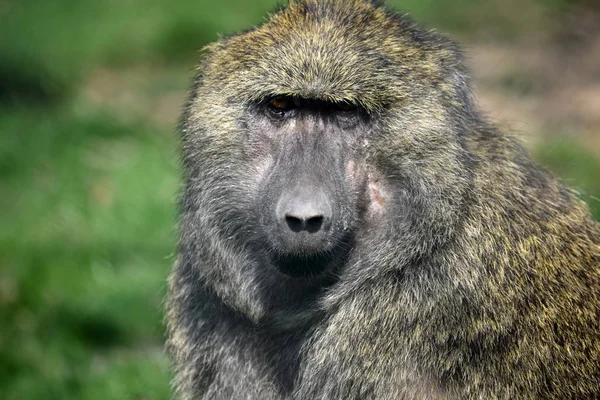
[(280, 105)]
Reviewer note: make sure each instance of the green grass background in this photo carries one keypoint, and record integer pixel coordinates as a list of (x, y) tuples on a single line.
[(88, 189)]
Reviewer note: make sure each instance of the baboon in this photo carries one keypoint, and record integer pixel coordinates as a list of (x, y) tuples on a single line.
[(353, 228)]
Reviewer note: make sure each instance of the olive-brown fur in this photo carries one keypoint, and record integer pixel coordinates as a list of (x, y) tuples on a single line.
[(472, 273)]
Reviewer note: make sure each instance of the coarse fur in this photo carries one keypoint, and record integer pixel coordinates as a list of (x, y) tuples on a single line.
[(465, 270)]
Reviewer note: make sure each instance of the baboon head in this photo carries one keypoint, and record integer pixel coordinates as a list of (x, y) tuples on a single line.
[(327, 136)]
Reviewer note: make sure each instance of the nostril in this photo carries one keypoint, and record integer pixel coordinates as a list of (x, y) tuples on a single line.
[(311, 225), (294, 223), (314, 224)]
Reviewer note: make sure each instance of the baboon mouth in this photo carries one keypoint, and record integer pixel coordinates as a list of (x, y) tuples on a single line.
[(303, 266)]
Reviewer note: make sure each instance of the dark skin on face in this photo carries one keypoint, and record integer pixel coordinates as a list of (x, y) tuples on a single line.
[(310, 191)]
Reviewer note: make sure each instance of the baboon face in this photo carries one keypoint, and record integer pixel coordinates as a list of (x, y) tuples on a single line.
[(311, 175)]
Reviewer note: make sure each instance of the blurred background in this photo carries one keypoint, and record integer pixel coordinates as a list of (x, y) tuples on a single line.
[(90, 92)]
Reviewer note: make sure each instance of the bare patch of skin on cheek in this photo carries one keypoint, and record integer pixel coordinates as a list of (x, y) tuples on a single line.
[(378, 196), (371, 184)]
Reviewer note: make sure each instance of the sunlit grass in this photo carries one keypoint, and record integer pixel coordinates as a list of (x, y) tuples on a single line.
[(85, 248)]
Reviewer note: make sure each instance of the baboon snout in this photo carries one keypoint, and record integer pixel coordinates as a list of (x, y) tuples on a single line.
[(308, 212)]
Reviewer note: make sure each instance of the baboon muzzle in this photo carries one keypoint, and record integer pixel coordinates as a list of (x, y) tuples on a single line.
[(302, 224), (303, 216)]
